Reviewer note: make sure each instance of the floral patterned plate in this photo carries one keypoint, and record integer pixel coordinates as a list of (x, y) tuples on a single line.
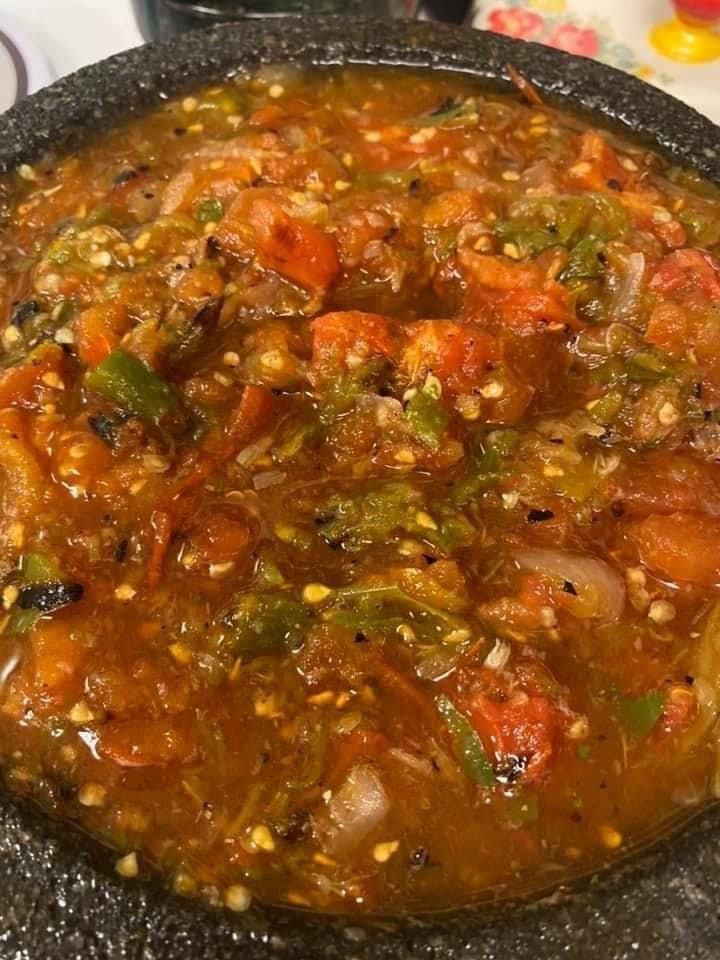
[(616, 32)]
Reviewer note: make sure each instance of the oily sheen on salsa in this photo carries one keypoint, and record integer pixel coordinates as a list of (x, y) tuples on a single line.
[(359, 462)]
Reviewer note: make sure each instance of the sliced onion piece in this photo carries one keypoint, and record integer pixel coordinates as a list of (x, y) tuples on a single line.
[(599, 588), (626, 302), (359, 806), (411, 760), (268, 478)]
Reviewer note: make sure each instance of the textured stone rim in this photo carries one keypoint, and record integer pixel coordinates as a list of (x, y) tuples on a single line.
[(58, 898)]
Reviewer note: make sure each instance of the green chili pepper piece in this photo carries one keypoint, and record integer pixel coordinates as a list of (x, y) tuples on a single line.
[(209, 211), (39, 568), (462, 112), (607, 407), (427, 418), (35, 568), (646, 366), (468, 747), (268, 623), (584, 262), (126, 381), (485, 467), (640, 714)]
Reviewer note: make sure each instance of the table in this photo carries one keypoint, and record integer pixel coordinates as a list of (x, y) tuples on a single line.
[(614, 31)]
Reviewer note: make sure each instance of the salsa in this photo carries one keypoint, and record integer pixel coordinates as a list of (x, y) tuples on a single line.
[(360, 478)]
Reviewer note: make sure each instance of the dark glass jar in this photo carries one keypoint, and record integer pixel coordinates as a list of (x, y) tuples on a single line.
[(162, 18)]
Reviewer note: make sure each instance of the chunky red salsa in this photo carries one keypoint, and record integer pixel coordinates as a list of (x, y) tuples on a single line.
[(359, 445)]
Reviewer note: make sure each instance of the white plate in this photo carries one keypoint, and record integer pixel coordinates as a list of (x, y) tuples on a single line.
[(23, 66)]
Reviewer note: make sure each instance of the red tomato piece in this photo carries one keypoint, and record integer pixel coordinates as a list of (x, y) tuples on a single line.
[(520, 732), (680, 707), (458, 354), (81, 458), (22, 470), (17, 384), (681, 546), (521, 295), (534, 310), (348, 338), (197, 181), (98, 331), (48, 677), (684, 272), (268, 116), (162, 529), (143, 742), (596, 164), (668, 485), (293, 248), (249, 417), (671, 328), (219, 538)]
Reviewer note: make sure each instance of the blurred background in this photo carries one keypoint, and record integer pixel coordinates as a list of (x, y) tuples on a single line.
[(672, 43)]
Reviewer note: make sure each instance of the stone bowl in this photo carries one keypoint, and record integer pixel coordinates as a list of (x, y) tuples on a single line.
[(59, 899)]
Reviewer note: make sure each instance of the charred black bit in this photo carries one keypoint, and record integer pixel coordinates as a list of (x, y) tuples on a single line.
[(24, 312), (419, 858), (125, 176), (202, 325), (212, 248), (698, 390), (120, 551), (297, 826), (689, 680), (103, 427), (539, 516), (179, 131), (360, 637), (614, 184), (47, 597), (512, 769), (64, 791), (429, 559), (617, 509), (569, 587), (445, 105)]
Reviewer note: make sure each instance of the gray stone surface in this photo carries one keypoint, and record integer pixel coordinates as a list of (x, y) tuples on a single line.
[(58, 897)]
